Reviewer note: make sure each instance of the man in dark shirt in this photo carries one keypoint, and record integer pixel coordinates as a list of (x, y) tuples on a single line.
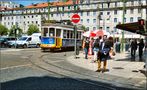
[(133, 49)]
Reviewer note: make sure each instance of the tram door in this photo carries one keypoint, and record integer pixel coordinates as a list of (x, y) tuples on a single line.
[(58, 38)]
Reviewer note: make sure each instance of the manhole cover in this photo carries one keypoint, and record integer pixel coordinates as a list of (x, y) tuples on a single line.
[(118, 68)]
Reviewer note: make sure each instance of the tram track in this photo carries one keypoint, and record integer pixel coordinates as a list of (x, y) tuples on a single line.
[(59, 68), (65, 75)]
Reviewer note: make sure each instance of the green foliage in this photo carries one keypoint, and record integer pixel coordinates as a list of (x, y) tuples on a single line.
[(18, 31), (83, 28), (3, 30), (32, 29)]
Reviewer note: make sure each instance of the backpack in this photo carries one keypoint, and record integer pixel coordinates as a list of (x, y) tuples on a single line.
[(86, 44), (96, 44)]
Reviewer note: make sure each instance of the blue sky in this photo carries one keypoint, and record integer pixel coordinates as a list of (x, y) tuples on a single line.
[(27, 2)]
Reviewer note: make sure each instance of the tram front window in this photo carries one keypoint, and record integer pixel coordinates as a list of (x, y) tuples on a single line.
[(45, 32), (51, 32)]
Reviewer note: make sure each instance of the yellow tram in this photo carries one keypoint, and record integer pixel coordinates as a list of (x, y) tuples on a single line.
[(58, 36)]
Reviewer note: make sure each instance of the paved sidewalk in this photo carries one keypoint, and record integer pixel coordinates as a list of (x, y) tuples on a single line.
[(120, 66)]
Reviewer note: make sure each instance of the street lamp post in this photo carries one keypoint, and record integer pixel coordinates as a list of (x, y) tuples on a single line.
[(48, 10), (122, 40)]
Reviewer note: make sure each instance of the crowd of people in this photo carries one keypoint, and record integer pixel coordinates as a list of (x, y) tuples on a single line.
[(101, 48)]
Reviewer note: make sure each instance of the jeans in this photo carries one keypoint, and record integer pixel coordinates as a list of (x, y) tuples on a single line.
[(86, 52), (95, 50)]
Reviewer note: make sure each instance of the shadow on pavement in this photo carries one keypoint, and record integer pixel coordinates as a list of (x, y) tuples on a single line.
[(53, 83)]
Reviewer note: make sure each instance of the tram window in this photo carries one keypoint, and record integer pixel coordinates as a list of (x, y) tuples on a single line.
[(68, 34), (64, 34), (58, 32), (52, 32), (71, 34), (45, 32)]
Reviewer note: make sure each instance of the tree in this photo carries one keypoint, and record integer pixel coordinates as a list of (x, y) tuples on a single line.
[(17, 29), (32, 29), (3, 30)]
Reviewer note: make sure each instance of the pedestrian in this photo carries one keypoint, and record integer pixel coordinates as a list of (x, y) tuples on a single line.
[(103, 54), (96, 49), (86, 47), (141, 46), (133, 49)]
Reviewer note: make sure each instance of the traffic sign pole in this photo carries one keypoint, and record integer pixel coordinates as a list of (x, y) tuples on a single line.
[(75, 19)]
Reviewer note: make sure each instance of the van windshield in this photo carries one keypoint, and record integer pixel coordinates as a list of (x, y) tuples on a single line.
[(23, 38)]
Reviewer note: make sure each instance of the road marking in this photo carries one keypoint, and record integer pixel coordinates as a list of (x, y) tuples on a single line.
[(15, 66)]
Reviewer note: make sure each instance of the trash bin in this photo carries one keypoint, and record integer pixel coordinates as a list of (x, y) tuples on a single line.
[(77, 50), (117, 47), (126, 47)]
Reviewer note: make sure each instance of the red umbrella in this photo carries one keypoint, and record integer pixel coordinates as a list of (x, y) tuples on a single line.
[(89, 34), (100, 33)]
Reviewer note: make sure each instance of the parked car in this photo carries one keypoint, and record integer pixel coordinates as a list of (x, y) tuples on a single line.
[(29, 41), (3, 42)]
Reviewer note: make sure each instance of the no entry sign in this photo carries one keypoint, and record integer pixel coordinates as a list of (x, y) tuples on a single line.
[(75, 18)]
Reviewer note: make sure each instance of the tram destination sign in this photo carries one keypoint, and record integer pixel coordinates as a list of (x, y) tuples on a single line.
[(75, 18)]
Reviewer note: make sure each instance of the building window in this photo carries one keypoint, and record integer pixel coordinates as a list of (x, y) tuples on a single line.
[(139, 18), (28, 16), (36, 22), (101, 13), (4, 18), (131, 19), (125, 20), (87, 28), (32, 22), (115, 12), (12, 23), (125, 11), (131, 11), (107, 29), (108, 13), (115, 20), (139, 10), (88, 20), (8, 18), (115, 4), (24, 17), (52, 15), (94, 13), (94, 28), (94, 20), (36, 15), (8, 23), (62, 14), (132, 2), (28, 22), (32, 16), (81, 13), (115, 29), (81, 20), (88, 13), (68, 7), (12, 18)]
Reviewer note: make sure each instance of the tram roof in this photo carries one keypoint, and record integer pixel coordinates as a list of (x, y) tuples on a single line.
[(59, 25), (134, 27)]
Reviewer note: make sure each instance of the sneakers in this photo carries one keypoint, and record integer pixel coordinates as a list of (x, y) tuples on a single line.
[(103, 70), (98, 70)]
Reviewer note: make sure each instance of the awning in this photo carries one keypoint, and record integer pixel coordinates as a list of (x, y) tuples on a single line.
[(134, 27)]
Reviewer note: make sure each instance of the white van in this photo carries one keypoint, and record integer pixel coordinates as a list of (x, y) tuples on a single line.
[(29, 41)]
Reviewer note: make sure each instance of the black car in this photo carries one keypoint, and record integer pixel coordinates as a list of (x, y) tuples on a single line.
[(6, 41), (3, 42)]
